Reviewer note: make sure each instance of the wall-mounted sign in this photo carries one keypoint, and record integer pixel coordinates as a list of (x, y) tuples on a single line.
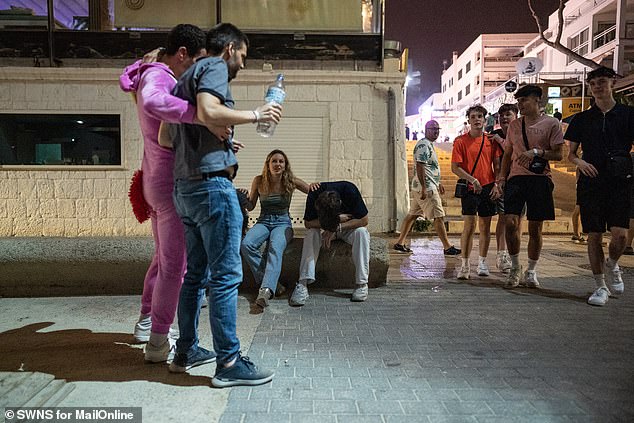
[(528, 66), (570, 106), (510, 86)]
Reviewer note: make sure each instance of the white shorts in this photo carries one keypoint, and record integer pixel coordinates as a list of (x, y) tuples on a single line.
[(429, 208)]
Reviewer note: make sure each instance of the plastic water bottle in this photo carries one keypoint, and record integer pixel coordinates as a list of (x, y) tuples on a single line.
[(274, 95)]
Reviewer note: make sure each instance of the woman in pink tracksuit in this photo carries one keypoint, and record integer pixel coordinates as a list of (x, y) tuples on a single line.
[(152, 83)]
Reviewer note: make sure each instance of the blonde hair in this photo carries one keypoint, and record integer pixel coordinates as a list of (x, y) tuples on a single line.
[(288, 179)]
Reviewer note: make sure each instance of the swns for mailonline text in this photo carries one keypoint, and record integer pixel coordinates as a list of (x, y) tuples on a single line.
[(73, 414)]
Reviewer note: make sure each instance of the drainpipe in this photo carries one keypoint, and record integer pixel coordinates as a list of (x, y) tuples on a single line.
[(51, 28), (391, 134)]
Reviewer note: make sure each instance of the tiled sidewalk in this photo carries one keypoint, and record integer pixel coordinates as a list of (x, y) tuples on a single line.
[(427, 348)]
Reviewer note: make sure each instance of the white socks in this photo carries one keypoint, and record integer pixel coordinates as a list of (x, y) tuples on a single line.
[(465, 262), (515, 261), (532, 264), (157, 339), (599, 280), (481, 259)]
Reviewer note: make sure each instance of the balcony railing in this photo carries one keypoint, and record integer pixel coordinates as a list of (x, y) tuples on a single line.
[(604, 37), (581, 49)]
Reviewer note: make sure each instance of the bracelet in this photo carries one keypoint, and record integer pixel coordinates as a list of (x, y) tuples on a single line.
[(256, 114)]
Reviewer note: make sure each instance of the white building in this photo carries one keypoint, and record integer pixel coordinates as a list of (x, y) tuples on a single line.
[(600, 30), (488, 62)]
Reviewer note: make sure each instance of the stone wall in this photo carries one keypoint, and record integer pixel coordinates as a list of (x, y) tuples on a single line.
[(92, 200)]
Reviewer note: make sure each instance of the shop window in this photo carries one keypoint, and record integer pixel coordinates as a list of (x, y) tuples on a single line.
[(60, 139)]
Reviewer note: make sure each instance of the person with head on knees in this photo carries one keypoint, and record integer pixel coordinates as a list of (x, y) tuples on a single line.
[(605, 133), (526, 181), (208, 205), (426, 192), (274, 187), (151, 84), (335, 210)]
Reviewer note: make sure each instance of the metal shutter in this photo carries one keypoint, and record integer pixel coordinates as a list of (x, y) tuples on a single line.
[(301, 138)]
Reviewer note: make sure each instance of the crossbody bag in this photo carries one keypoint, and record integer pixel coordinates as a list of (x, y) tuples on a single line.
[(619, 162), (462, 186), (538, 164)]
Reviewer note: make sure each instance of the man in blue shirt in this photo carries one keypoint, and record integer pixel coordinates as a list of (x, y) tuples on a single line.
[(335, 210), (206, 201)]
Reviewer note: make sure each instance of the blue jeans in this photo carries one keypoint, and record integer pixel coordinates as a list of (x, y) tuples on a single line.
[(277, 230), (213, 229)]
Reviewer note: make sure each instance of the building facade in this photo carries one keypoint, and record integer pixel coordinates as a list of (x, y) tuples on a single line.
[(70, 138), (488, 62), (600, 30)]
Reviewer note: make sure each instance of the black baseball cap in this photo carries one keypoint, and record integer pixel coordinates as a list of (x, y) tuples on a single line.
[(601, 71), (528, 90)]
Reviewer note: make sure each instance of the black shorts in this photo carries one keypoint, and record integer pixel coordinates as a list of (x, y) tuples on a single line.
[(480, 204), (604, 203), (534, 192)]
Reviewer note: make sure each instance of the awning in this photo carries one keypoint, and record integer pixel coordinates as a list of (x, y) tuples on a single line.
[(625, 85), (567, 82)]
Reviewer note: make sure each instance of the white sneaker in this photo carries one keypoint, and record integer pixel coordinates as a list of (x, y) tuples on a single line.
[(513, 279), (599, 297), (143, 328), (616, 279), (463, 273), (360, 293), (162, 353), (503, 261), (299, 296), (483, 269), (530, 279), (264, 295)]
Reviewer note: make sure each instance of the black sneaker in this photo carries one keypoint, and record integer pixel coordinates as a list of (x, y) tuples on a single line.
[(181, 363), (243, 372), (629, 251), (402, 248), (452, 251)]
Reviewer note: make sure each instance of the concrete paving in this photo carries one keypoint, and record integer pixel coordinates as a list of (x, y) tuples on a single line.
[(424, 348)]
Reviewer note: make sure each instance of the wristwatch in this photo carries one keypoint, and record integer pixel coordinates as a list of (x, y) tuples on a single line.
[(535, 152)]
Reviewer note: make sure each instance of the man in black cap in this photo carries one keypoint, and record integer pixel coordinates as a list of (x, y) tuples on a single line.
[(605, 133), (533, 140)]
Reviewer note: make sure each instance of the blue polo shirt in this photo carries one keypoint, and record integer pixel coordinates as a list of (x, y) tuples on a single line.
[(196, 149)]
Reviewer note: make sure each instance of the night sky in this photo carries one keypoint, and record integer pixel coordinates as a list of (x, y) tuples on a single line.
[(432, 29)]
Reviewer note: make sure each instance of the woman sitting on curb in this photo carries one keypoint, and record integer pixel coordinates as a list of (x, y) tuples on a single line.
[(275, 188)]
